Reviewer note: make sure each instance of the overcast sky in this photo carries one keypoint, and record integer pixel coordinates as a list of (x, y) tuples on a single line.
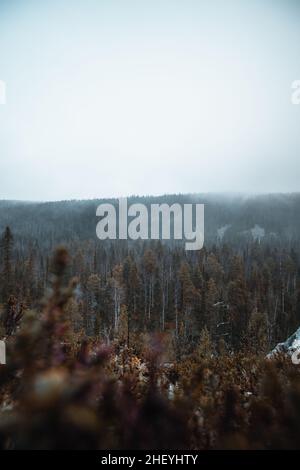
[(111, 98)]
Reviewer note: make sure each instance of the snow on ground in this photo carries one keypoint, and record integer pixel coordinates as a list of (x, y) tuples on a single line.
[(257, 232), (221, 231), (289, 346)]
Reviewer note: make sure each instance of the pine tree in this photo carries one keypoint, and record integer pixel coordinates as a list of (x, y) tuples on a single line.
[(6, 246)]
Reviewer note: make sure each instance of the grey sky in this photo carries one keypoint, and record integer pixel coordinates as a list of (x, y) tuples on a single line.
[(111, 98)]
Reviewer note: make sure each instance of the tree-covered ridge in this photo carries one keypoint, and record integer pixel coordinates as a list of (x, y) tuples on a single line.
[(144, 344), (273, 218)]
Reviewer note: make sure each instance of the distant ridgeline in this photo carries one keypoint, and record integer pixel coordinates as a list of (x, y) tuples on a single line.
[(234, 219)]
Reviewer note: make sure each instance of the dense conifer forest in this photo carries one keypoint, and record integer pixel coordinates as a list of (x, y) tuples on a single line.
[(109, 342)]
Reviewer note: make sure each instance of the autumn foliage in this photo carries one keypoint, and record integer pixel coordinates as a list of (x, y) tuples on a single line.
[(71, 382)]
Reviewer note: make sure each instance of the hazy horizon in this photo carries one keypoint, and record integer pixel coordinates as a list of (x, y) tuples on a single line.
[(225, 194)]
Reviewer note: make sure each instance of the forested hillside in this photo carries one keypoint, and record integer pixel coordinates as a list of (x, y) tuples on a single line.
[(274, 218), (246, 277), (142, 325)]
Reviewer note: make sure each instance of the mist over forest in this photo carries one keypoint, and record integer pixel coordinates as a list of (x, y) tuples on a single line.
[(229, 218)]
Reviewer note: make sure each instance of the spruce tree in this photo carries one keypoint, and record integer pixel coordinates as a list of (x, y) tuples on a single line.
[(6, 246)]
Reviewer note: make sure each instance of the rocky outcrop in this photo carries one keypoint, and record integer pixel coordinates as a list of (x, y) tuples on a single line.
[(291, 346)]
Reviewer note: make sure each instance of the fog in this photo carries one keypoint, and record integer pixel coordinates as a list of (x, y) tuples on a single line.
[(112, 98)]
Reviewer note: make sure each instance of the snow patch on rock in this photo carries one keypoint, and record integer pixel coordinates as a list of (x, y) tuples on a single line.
[(291, 345)]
